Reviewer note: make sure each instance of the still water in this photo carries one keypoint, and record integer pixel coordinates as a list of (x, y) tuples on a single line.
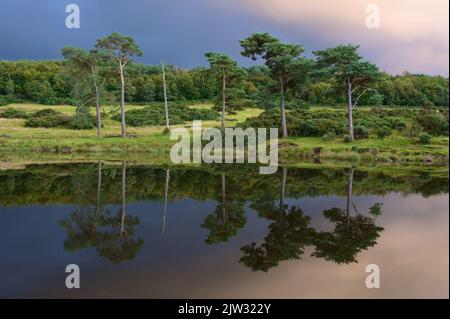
[(145, 231)]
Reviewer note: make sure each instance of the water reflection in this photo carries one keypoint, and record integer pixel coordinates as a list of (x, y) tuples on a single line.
[(112, 235), (227, 218), (250, 223), (288, 233)]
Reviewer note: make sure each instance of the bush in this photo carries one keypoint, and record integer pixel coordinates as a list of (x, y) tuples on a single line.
[(296, 104), (238, 104), (47, 121), (425, 138), (308, 128), (82, 121), (329, 136), (10, 113), (347, 139), (45, 112), (154, 115), (9, 99), (383, 131), (360, 132), (432, 121), (47, 118), (396, 123)]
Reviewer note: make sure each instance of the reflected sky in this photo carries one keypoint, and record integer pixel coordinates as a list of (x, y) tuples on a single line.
[(412, 252)]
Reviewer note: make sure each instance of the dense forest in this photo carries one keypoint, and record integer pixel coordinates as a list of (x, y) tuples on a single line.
[(47, 82)]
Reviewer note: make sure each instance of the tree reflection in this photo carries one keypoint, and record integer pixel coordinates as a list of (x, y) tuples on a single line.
[(288, 234), (351, 234), (111, 235), (228, 217), (166, 198)]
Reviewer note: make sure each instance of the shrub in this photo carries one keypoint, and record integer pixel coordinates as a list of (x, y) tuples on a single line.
[(432, 121), (47, 121), (328, 136), (360, 132), (396, 122), (9, 99), (347, 139), (425, 138), (47, 118), (154, 115), (10, 113), (238, 104), (45, 112), (383, 131), (296, 104), (82, 121), (308, 128)]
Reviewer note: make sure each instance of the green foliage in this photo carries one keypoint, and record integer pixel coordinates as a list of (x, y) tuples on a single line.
[(144, 84), (316, 123), (345, 64), (122, 47), (328, 136), (432, 121), (154, 115), (347, 139), (425, 138), (396, 122), (413, 90), (360, 132), (41, 92), (47, 118), (9, 99), (10, 113), (383, 132), (45, 112), (82, 121)]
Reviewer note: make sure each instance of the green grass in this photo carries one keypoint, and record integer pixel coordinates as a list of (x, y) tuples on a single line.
[(152, 144)]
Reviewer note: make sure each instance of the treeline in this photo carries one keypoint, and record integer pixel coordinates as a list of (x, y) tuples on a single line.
[(47, 82), (77, 183)]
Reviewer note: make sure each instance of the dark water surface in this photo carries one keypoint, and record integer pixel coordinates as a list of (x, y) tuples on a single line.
[(141, 231)]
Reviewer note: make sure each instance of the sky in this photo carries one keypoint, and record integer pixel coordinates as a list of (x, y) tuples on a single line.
[(413, 35)]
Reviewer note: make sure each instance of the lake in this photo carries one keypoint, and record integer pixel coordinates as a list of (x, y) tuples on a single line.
[(222, 232)]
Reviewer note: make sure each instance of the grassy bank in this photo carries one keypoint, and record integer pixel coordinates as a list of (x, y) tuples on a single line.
[(151, 144)]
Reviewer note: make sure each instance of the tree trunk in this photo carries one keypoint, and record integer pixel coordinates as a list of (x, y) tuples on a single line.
[(349, 196), (223, 99), (283, 111), (122, 100), (99, 186), (350, 109), (283, 188), (224, 210), (123, 198), (166, 106), (166, 195), (97, 202), (97, 107)]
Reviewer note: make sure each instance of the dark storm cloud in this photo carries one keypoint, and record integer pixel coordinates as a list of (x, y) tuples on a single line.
[(177, 31), (181, 31)]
